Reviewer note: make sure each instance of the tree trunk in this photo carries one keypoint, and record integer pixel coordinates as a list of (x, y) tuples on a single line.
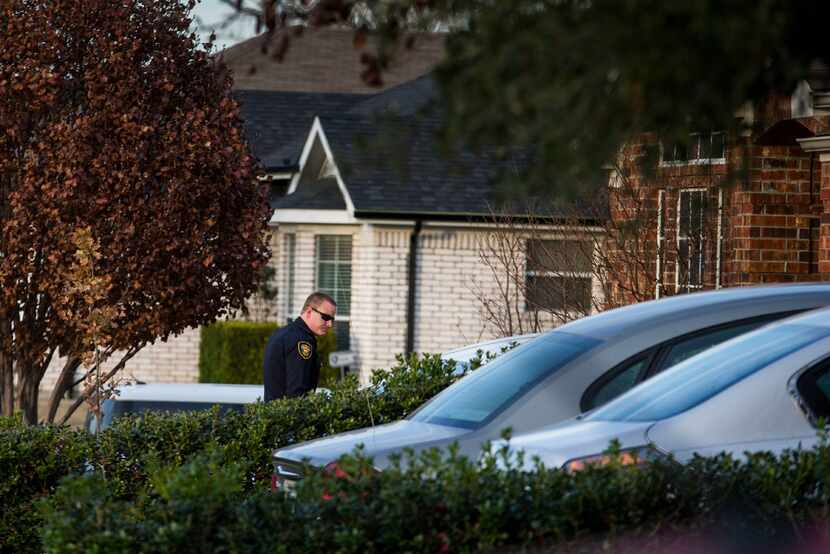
[(28, 400), (6, 367), (102, 380), (62, 385), (6, 384)]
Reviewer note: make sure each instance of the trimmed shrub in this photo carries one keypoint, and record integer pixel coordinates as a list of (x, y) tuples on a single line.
[(438, 502), (232, 352), (32, 460)]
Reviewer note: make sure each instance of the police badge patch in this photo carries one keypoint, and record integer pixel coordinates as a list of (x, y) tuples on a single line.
[(304, 349)]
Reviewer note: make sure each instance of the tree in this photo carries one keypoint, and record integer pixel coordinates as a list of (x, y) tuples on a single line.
[(128, 208), (574, 80)]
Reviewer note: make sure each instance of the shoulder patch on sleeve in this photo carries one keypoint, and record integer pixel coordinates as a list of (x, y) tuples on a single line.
[(304, 349)]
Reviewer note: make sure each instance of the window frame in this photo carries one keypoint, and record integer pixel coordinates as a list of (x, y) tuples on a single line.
[(697, 160), (562, 274), (688, 287), (290, 245), (805, 399), (343, 319), (659, 352)]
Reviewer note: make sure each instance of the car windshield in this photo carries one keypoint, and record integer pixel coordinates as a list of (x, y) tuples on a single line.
[(114, 408), (703, 376), (479, 397)]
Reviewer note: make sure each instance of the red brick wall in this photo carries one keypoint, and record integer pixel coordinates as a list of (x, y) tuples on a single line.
[(775, 220), (824, 245), (773, 217)]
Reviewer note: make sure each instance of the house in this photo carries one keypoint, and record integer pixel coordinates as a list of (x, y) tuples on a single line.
[(724, 210), (368, 211), (320, 73), (374, 216)]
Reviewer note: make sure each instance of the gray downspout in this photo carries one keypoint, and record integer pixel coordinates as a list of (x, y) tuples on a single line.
[(410, 300)]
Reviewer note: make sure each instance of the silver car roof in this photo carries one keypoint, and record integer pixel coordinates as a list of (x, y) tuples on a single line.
[(615, 322), (191, 392)]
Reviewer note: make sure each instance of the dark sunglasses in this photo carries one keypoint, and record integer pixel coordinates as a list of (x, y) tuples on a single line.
[(324, 316)]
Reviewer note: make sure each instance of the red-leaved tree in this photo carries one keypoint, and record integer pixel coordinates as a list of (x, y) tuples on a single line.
[(128, 210)]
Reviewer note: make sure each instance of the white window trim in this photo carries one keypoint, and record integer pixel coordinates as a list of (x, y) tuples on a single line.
[(290, 273), (678, 286), (696, 161), (346, 318)]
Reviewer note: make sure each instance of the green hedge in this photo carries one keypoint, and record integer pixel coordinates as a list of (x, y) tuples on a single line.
[(199, 482), (446, 503), (33, 459), (232, 352)]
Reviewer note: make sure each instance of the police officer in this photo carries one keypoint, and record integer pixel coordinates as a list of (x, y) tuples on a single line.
[(291, 365)]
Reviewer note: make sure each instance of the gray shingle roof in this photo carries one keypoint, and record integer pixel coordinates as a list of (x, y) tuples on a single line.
[(276, 123), (385, 147), (322, 194)]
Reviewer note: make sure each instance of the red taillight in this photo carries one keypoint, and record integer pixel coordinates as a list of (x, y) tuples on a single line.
[(275, 482), (334, 469)]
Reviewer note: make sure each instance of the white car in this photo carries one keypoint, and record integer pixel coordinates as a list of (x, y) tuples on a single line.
[(763, 391), (174, 397)]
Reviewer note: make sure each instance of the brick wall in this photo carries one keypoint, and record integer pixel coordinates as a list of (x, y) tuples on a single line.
[(174, 361), (774, 216), (772, 202), (450, 279)]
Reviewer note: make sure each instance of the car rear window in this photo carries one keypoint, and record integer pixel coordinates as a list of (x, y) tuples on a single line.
[(479, 397), (703, 376)]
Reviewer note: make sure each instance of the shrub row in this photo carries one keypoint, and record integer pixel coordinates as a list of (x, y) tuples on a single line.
[(232, 351), (33, 459), (436, 503)]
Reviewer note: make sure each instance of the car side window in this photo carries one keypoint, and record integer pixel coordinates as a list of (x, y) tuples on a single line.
[(814, 391), (616, 382), (696, 344), (664, 356)]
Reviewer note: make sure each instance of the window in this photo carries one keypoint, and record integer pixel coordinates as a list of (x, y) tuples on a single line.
[(699, 148), (482, 395), (691, 208), (814, 392), (558, 275), (617, 381), (290, 253), (697, 379), (696, 344), (334, 277), (668, 354)]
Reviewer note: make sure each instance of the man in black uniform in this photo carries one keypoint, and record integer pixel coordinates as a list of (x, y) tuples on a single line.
[(291, 364)]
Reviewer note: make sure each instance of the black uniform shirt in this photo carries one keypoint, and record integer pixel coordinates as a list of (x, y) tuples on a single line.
[(291, 366)]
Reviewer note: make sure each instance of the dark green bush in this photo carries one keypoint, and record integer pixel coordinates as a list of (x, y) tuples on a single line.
[(446, 503), (32, 460), (232, 352)]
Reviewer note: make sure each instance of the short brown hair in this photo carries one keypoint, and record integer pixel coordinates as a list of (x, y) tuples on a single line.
[(315, 299)]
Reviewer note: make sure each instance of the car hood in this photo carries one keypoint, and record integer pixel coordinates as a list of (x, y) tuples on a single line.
[(556, 445), (378, 442)]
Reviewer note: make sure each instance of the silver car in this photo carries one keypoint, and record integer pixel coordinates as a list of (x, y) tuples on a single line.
[(136, 399), (561, 373), (763, 391), (463, 355)]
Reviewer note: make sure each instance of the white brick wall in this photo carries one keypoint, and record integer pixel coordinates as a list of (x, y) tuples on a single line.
[(450, 278), (379, 296), (174, 361), (448, 313)]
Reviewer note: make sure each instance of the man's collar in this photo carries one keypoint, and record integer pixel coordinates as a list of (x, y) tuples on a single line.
[(301, 322)]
